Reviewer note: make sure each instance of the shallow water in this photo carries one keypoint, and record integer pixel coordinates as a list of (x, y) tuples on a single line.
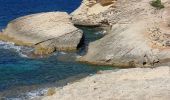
[(20, 74)]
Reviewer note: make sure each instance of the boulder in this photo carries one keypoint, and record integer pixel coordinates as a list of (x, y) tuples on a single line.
[(47, 32), (139, 36)]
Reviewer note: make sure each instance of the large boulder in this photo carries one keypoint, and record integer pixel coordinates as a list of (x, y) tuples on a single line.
[(139, 36), (46, 32)]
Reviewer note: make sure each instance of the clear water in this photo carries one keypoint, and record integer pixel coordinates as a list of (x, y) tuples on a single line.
[(19, 73)]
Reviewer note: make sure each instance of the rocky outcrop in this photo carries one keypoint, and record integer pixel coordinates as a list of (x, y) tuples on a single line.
[(46, 32), (91, 12), (123, 84), (138, 37)]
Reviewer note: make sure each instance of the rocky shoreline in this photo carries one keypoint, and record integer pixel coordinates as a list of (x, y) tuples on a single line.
[(136, 36), (122, 84)]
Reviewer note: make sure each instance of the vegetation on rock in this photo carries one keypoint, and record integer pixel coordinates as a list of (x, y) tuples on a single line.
[(158, 4)]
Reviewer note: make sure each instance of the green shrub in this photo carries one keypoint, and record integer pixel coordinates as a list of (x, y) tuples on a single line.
[(158, 4)]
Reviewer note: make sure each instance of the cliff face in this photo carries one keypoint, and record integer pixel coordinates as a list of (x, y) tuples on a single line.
[(139, 34), (91, 12)]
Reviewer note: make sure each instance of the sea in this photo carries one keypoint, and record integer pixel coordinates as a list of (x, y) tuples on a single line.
[(22, 77)]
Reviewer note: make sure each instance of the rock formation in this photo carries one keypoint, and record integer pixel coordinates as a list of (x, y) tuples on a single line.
[(138, 36), (46, 32)]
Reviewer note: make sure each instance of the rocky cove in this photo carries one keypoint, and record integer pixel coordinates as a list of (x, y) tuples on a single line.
[(136, 35), (46, 33), (24, 76)]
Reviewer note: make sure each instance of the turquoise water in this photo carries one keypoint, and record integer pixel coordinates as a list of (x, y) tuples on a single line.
[(17, 70), (20, 74)]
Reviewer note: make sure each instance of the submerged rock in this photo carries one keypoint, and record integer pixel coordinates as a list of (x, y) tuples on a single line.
[(46, 32), (138, 36)]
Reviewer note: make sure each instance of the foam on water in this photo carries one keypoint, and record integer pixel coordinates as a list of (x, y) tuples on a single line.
[(100, 33), (63, 53), (21, 50), (30, 95), (37, 93)]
